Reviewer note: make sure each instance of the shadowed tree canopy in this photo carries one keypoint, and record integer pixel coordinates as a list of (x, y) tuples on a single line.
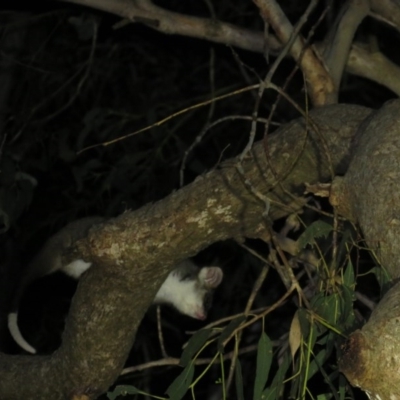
[(259, 136)]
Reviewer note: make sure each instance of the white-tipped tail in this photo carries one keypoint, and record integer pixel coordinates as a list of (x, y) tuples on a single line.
[(16, 334)]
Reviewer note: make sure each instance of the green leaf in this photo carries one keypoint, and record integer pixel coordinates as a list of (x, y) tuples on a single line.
[(304, 322), (123, 390), (239, 381), (348, 276), (300, 384), (312, 336), (195, 344), (316, 230), (348, 318), (264, 359), (228, 331), (274, 391), (326, 396), (327, 307), (181, 384), (315, 364)]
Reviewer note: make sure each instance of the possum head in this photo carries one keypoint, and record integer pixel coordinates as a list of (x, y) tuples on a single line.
[(189, 289)]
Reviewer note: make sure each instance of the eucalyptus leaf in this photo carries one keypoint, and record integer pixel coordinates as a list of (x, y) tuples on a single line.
[(348, 276), (264, 359), (181, 384), (194, 345), (304, 321), (228, 331), (123, 390), (239, 381), (348, 318), (325, 396), (315, 364), (328, 307), (273, 392)]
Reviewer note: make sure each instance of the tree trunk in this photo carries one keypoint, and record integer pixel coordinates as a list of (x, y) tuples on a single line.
[(370, 192), (133, 253)]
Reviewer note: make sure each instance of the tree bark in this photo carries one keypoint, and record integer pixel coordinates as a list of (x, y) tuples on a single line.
[(371, 197), (133, 253)]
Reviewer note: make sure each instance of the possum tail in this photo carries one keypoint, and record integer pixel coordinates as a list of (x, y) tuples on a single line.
[(16, 333)]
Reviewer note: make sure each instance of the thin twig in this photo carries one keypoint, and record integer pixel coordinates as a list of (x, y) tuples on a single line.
[(171, 361), (256, 288), (160, 333), (172, 116)]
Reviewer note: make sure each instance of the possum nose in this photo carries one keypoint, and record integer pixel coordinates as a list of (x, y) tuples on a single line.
[(201, 315)]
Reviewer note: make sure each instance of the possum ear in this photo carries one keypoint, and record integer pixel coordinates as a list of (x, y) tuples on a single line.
[(211, 277)]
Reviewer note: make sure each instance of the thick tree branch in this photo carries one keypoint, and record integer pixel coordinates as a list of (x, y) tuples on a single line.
[(340, 39), (370, 357), (133, 253), (370, 194), (369, 189)]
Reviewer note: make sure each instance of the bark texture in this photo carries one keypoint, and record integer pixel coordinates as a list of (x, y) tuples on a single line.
[(133, 253), (371, 196), (371, 358), (371, 185)]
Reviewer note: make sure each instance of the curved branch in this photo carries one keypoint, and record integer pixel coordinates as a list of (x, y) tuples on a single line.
[(374, 66), (133, 253), (340, 39)]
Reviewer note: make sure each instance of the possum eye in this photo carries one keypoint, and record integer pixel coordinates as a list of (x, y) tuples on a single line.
[(186, 277)]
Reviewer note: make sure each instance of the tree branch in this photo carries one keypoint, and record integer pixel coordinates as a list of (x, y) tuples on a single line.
[(173, 23), (319, 82), (133, 253), (341, 37), (389, 10), (374, 66)]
